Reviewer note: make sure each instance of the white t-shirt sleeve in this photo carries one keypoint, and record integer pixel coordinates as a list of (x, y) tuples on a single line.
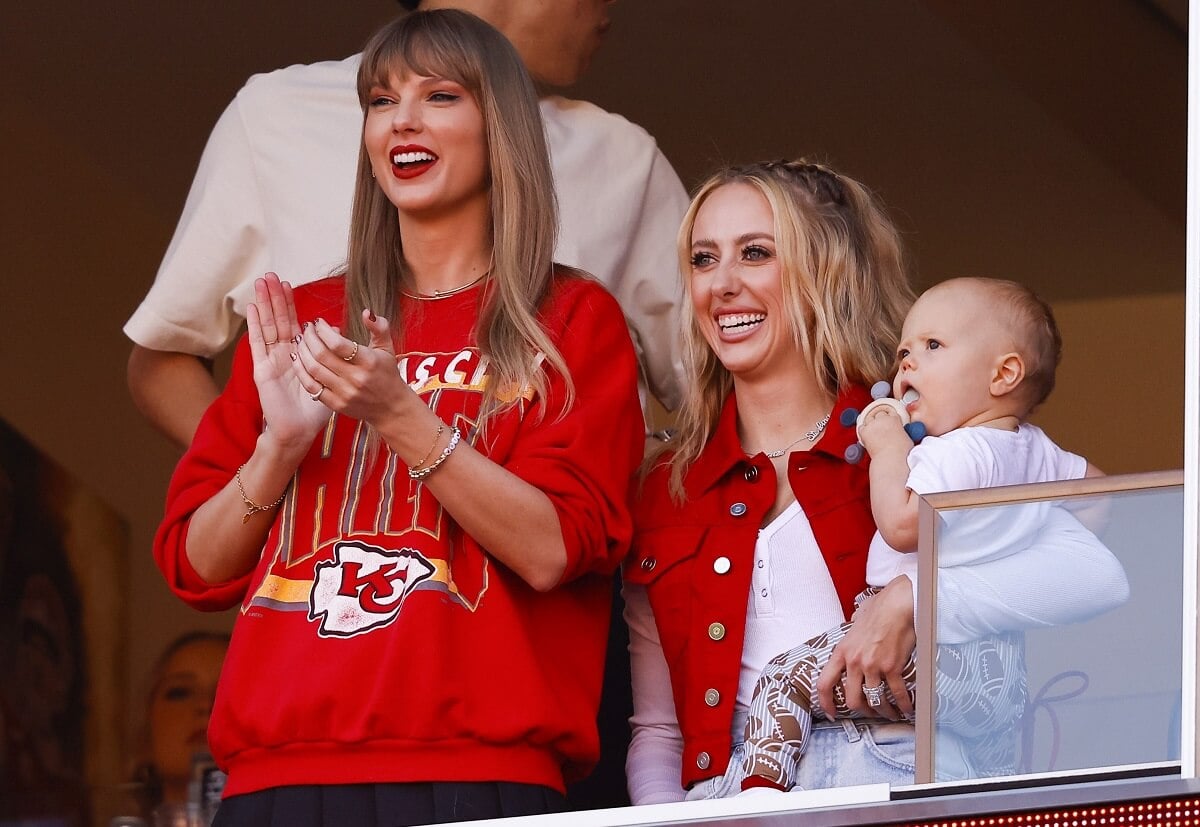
[(1067, 466), (954, 462), (219, 240), (959, 461), (649, 287), (654, 764), (995, 577), (620, 206)]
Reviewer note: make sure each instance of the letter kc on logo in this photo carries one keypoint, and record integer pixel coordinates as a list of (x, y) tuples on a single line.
[(363, 587)]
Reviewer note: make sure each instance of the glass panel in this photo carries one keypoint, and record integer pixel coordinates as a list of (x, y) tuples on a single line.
[(1086, 693)]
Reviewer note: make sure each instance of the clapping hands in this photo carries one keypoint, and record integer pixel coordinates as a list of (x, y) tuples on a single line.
[(323, 371)]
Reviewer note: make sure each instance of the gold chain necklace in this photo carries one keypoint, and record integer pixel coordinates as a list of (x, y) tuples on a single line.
[(443, 294)]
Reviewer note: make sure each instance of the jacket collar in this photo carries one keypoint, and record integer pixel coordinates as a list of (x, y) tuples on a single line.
[(724, 450)]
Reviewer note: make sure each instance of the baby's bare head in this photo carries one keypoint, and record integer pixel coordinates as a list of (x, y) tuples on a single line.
[(1014, 318)]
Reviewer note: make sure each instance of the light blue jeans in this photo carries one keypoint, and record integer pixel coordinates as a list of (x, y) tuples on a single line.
[(844, 753)]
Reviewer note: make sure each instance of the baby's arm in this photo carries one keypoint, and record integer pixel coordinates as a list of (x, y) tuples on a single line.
[(895, 507)]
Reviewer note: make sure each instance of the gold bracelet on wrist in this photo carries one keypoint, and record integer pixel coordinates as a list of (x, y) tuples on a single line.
[(432, 448), (416, 473), (252, 507)]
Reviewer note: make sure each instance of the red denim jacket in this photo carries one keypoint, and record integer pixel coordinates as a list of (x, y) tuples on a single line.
[(695, 561)]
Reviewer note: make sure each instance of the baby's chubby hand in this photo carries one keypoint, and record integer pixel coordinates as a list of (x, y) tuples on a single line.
[(878, 425), (881, 425)]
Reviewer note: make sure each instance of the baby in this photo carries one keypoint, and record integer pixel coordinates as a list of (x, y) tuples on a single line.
[(976, 356)]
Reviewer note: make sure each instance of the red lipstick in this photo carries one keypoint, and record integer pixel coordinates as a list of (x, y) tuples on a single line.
[(411, 160)]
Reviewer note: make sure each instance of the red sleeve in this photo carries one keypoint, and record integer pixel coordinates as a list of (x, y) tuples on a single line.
[(584, 460), (224, 440)]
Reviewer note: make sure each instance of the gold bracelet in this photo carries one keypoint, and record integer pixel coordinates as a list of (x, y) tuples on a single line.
[(429, 453), (252, 507), (419, 474)]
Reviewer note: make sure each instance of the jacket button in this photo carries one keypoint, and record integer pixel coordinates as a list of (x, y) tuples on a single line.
[(716, 631), (712, 697), (722, 565), (648, 564), (737, 509), (751, 473), (703, 760)]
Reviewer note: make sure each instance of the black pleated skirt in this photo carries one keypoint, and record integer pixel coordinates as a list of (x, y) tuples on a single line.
[(386, 805)]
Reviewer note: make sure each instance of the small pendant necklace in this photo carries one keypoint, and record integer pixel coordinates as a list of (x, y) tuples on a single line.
[(444, 294), (811, 436)]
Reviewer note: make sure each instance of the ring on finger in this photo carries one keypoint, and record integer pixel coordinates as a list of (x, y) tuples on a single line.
[(874, 694), (274, 341), (353, 353), (316, 397)]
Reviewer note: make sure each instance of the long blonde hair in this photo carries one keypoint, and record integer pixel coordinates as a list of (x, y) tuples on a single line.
[(524, 213), (845, 287)]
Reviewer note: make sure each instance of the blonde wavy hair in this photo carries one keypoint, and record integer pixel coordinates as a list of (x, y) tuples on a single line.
[(461, 47), (845, 286)]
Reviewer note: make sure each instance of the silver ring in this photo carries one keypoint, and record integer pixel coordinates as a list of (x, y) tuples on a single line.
[(353, 353), (316, 397), (874, 694), (274, 341)]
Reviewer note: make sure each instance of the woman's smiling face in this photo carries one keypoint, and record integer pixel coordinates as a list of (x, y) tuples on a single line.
[(735, 282), (426, 140)]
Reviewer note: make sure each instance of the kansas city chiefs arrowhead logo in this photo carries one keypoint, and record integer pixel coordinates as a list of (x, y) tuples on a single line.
[(363, 587)]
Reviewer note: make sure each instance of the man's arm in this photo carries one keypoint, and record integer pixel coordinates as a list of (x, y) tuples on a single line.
[(172, 390), (650, 290), (1065, 576)]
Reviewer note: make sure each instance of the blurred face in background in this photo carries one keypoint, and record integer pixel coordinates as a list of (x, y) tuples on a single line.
[(180, 703)]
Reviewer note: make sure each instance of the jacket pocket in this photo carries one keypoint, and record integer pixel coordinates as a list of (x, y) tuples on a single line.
[(657, 551)]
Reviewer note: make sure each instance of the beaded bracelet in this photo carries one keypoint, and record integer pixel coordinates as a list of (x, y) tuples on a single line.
[(421, 473), (252, 507)]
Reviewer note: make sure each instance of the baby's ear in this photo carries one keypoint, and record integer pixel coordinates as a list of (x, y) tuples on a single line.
[(1010, 373)]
